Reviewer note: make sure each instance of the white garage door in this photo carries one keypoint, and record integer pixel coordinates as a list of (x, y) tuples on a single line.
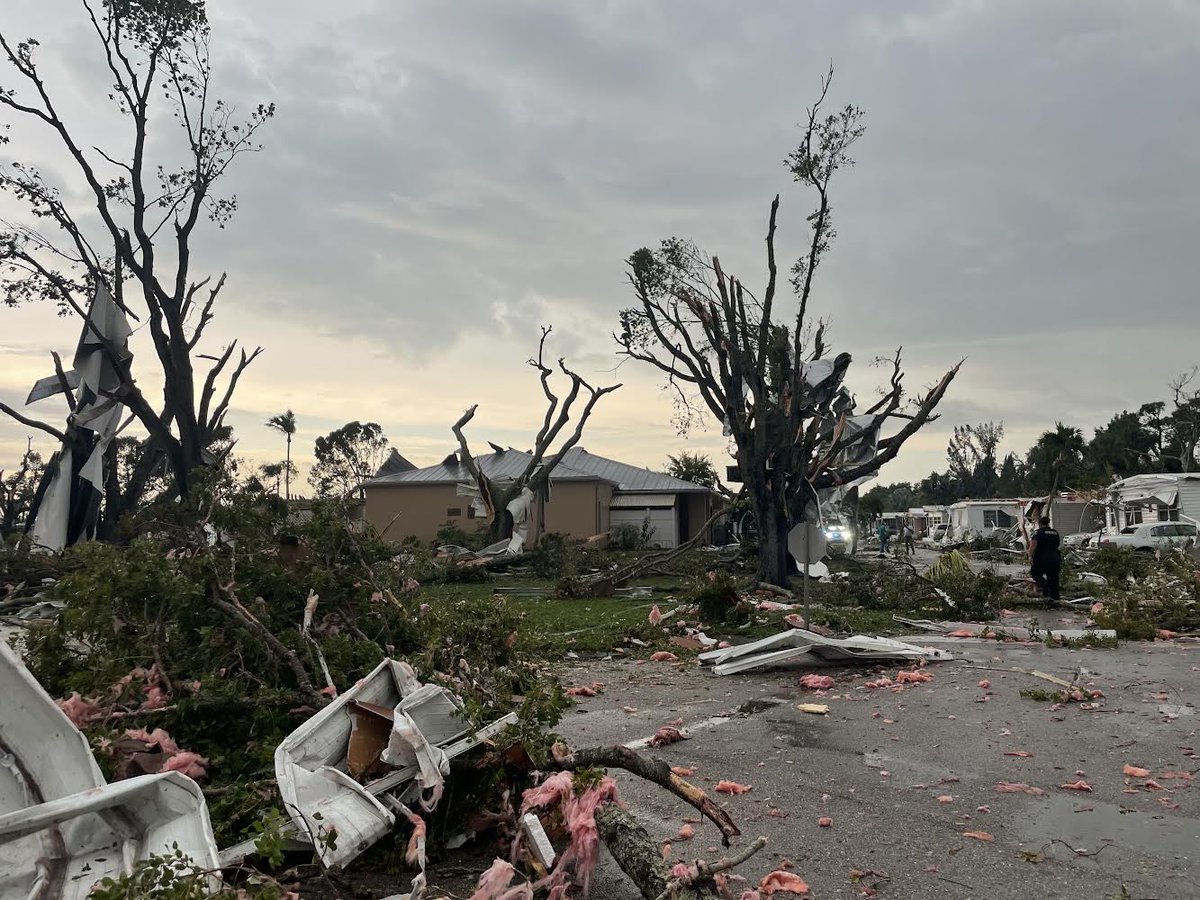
[(663, 522)]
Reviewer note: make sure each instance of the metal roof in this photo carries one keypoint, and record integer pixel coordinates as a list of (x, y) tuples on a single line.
[(506, 464), (630, 478), (577, 465), (642, 501)]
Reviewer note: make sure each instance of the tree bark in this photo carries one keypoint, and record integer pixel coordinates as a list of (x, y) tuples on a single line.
[(640, 856)]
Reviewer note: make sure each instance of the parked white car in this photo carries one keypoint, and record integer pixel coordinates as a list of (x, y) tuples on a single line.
[(1151, 536), (1082, 539)]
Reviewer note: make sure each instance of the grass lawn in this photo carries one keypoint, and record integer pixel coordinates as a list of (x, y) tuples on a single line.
[(553, 626)]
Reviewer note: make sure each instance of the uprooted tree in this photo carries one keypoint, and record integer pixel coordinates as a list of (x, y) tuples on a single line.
[(776, 388), (499, 491), (141, 202)]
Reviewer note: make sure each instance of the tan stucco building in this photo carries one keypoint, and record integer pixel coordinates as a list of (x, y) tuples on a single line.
[(589, 495)]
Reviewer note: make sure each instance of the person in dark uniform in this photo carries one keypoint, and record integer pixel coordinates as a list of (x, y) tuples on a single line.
[(1045, 559)]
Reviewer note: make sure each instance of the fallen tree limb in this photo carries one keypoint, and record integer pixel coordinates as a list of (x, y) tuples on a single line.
[(242, 617), (653, 560), (640, 858), (702, 870), (656, 771)]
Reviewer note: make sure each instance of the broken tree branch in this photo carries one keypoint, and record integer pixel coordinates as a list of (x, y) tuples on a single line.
[(31, 423), (638, 855), (656, 771), (661, 558), (702, 871), (241, 616)]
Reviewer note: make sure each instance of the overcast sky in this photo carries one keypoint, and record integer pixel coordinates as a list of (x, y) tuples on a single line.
[(443, 177)]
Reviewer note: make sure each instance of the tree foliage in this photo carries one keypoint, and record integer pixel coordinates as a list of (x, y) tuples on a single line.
[(347, 457), (17, 490), (1056, 460), (694, 467), (971, 454)]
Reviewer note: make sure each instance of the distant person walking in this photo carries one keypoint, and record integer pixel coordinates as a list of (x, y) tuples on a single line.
[(909, 547), (884, 534), (1045, 559)]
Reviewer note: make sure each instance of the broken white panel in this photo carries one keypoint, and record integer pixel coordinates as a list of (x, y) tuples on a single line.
[(436, 712), (62, 828), (519, 510), (310, 768), (408, 748), (232, 856), (51, 385), (538, 841), (817, 371), (796, 642), (49, 530)]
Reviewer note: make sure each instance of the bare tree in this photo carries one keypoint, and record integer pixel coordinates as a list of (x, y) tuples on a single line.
[(140, 214), (775, 388), (498, 493), (1185, 418)]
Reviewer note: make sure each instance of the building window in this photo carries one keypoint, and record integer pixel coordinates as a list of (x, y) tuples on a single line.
[(470, 512), (454, 512), (997, 518)]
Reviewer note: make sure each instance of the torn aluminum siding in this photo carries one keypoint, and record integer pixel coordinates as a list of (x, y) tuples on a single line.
[(311, 764), (796, 643), (310, 768), (62, 828)]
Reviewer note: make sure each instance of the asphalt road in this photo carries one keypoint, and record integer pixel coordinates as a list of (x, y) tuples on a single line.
[(878, 763)]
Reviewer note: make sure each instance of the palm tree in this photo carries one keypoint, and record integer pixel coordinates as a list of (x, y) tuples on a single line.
[(286, 423)]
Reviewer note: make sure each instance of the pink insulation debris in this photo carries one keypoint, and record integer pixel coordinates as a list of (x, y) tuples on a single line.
[(579, 816), (795, 621), (686, 833), (664, 656), (732, 787), (824, 822), (1018, 787), (916, 676), (655, 616), (80, 710), (1079, 785), (585, 690), (494, 884), (667, 734), (193, 765), (173, 758), (782, 881), (816, 682)]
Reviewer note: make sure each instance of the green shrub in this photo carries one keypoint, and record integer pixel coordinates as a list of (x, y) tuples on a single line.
[(716, 595), (1119, 564)]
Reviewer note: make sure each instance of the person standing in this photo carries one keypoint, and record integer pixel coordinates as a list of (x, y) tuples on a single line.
[(909, 547), (1045, 559), (884, 534)]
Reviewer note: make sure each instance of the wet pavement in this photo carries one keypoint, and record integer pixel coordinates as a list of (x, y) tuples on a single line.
[(905, 776)]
